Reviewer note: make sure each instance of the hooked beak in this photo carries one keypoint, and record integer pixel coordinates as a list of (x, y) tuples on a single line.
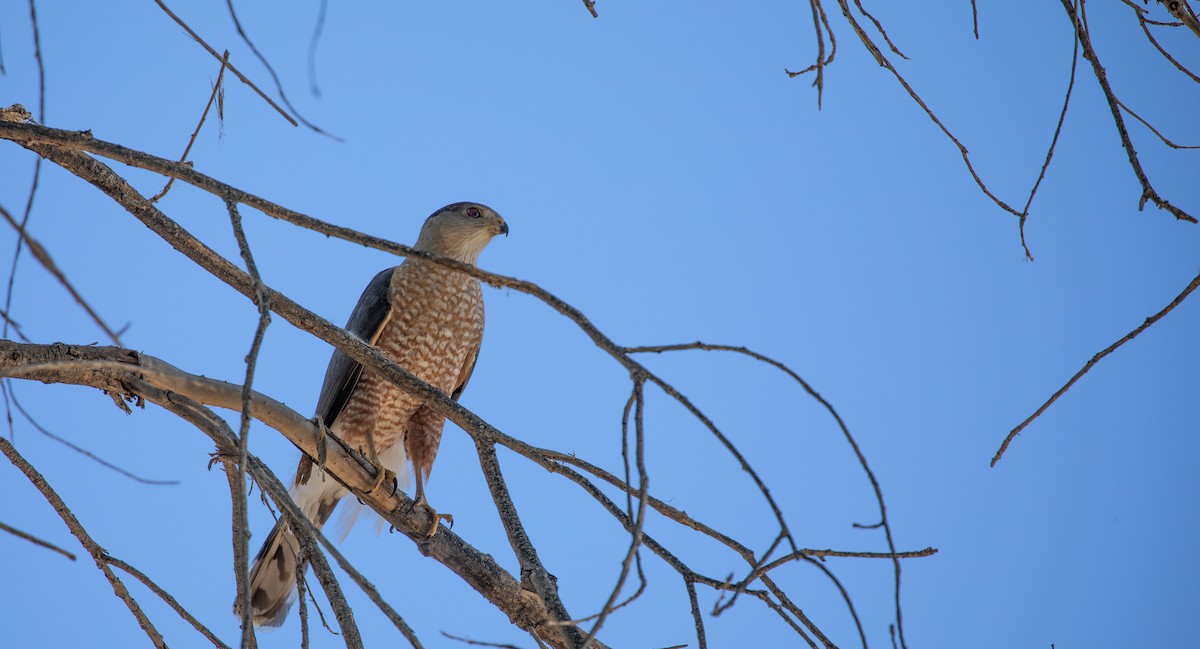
[(503, 228)]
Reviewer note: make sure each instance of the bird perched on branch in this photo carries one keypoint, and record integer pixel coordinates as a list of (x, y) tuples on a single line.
[(429, 320)]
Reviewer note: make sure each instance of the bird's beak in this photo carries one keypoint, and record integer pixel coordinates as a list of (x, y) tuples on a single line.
[(503, 228)]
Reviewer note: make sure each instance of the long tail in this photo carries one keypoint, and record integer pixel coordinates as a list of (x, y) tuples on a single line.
[(273, 578), (273, 574)]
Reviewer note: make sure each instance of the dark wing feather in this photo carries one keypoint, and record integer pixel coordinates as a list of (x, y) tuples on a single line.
[(343, 373)]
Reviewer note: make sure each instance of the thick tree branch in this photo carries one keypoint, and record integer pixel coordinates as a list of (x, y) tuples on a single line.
[(113, 369)]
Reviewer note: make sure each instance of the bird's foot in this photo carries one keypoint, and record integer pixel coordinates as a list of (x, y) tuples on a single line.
[(434, 516), (385, 475)]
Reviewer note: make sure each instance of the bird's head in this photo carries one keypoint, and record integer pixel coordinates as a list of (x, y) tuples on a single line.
[(461, 231)]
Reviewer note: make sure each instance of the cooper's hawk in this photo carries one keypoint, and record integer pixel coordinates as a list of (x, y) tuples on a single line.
[(429, 320)]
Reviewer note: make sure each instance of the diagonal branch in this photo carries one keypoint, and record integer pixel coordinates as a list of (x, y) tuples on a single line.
[(35, 540), (1079, 22), (1095, 359), (43, 257), (98, 553)]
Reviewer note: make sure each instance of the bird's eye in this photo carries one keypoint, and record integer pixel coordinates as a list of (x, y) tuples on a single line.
[(474, 212)]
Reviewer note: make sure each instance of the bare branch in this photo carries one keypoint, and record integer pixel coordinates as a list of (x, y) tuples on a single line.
[(821, 28), (862, 458), (883, 61), (36, 541), (1062, 116), (121, 370), (369, 589), (80, 450), (1167, 55), (37, 164), (166, 597), (238, 477), (1165, 140), (241, 77), (217, 89), (43, 257), (479, 643), (534, 576), (312, 47), (1095, 359), (93, 548), (635, 541), (274, 77), (1079, 22)]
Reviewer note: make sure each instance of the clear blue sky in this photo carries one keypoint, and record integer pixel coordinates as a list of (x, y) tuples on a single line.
[(660, 172)]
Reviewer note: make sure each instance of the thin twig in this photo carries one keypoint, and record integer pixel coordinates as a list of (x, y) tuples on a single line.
[(36, 541), (635, 541), (241, 526), (301, 587), (166, 597), (821, 28), (312, 47), (217, 88), (862, 459), (235, 474), (883, 32), (1165, 139), (93, 548), (274, 77), (1145, 22), (701, 637), (370, 591), (479, 643), (1095, 359), (1079, 22), (534, 575), (16, 326), (1062, 116), (820, 565), (241, 77), (39, 252), (80, 450), (883, 61)]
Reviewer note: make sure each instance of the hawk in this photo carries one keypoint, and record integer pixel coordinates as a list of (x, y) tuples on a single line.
[(429, 320)]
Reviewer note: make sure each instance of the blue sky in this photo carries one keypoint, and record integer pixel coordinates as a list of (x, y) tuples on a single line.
[(661, 173)]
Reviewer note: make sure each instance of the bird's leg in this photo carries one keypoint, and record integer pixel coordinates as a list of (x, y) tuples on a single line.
[(382, 471), (419, 501)]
